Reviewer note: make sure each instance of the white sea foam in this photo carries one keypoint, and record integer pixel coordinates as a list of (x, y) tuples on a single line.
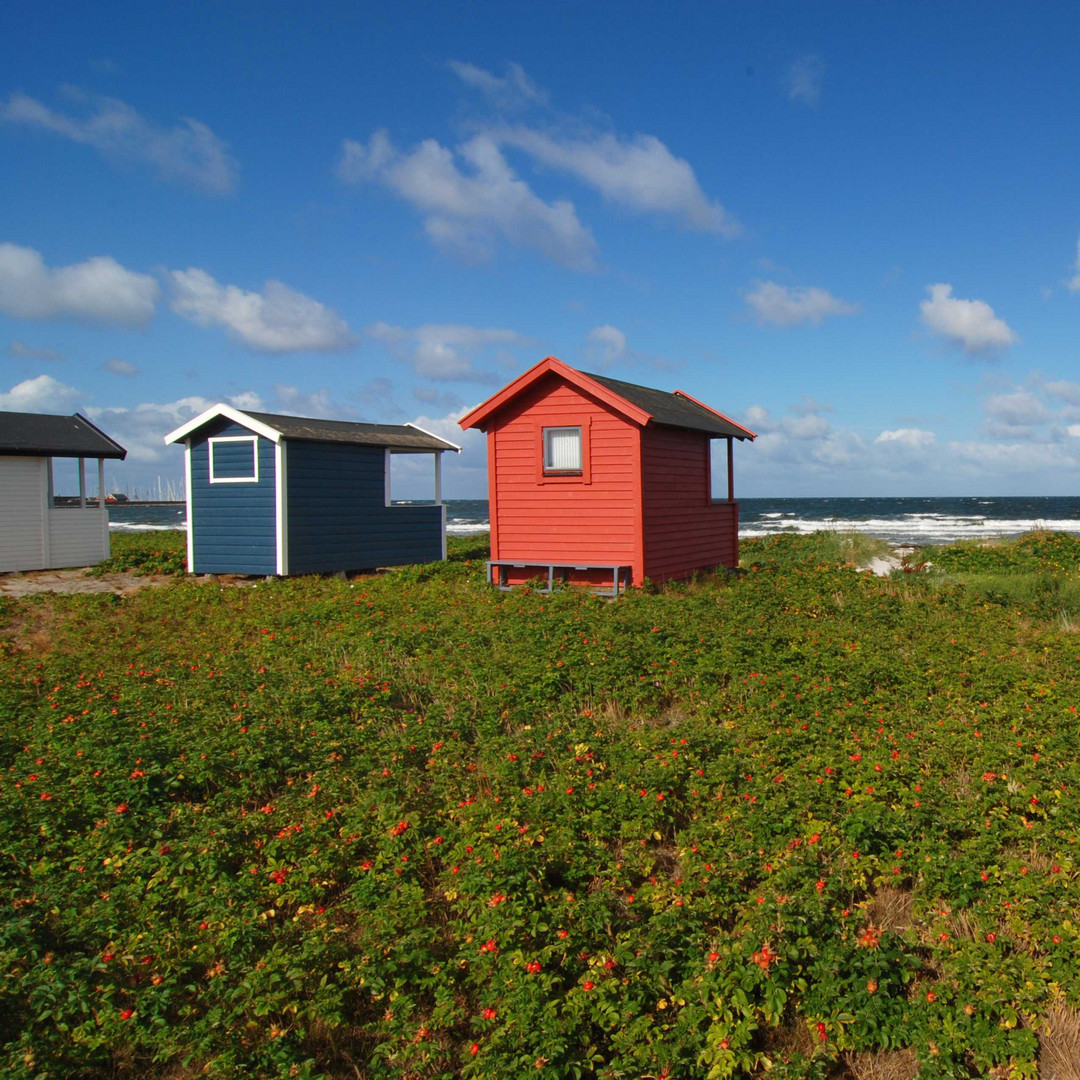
[(134, 526), (915, 528), (469, 528)]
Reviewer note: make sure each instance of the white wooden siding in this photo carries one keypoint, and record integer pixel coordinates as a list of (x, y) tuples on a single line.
[(23, 481), (76, 536)]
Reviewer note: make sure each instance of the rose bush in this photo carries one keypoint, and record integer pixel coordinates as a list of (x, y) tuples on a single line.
[(411, 826)]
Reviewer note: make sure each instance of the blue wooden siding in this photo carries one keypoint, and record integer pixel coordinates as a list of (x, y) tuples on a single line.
[(234, 526), (338, 519)]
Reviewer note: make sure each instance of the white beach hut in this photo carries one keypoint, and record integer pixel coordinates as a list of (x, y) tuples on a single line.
[(39, 528)]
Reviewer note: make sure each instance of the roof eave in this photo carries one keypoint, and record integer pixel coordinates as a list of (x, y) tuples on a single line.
[(121, 451), (551, 364), (447, 445), (727, 419), (215, 411)]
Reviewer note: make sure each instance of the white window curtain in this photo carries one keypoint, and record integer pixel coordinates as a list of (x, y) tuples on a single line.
[(562, 449)]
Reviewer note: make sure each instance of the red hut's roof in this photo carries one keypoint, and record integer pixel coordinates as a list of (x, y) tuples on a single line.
[(641, 404)]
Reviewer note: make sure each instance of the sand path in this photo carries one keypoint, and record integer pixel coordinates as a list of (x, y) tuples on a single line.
[(28, 582)]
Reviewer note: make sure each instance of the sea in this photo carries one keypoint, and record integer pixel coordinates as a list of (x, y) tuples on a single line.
[(916, 520)]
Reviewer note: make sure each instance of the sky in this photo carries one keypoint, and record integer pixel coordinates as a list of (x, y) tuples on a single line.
[(852, 227)]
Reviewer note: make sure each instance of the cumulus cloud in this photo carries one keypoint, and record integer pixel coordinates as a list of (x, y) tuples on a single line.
[(277, 320), (445, 352), (116, 366), (42, 394), (97, 290), (804, 79), (639, 173), (785, 306), (1018, 409), (470, 197), (141, 430), (806, 421), (1011, 458), (971, 324), (909, 438), (442, 399), (248, 400), (1063, 389), (464, 474), (188, 153), (514, 90), (604, 346), (21, 351), (319, 403), (1074, 282)]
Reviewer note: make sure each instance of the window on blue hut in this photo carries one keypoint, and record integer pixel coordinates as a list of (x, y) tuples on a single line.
[(562, 450), (234, 459)]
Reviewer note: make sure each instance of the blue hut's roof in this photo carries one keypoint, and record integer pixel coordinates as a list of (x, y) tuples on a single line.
[(405, 438)]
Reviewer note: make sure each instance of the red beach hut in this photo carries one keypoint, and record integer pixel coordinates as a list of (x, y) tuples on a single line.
[(595, 481)]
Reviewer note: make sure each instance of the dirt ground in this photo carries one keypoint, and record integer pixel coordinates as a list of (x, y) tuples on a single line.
[(76, 581)]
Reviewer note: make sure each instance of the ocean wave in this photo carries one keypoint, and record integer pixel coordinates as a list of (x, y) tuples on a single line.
[(470, 528), (135, 526), (913, 528)]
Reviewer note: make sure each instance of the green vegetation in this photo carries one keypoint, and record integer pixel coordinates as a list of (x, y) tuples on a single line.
[(801, 820), (145, 553)]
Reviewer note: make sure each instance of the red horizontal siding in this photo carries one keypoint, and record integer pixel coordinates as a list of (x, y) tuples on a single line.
[(565, 520), (684, 530)]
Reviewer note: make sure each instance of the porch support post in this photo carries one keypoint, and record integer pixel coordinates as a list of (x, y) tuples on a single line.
[(730, 469)]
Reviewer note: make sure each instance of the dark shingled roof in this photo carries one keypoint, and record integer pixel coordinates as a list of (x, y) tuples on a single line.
[(672, 409), (42, 435), (340, 431)]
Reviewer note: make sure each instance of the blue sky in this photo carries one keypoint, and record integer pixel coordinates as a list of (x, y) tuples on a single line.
[(853, 227)]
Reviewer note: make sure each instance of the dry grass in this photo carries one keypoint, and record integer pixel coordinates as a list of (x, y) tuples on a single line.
[(1059, 1045), (891, 909), (792, 1036), (883, 1065), (31, 628)]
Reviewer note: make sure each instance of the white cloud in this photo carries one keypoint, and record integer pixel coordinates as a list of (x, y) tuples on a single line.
[(640, 173), (277, 320), (189, 153), (1074, 282), (1063, 389), (514, 90), (141, 430), (969, 323), (116, 366), (994, 459), (43, 394), (248, 400), (318, 403), (97, 290), (1018, 409), (804, 79), (1073, 430), (471, 197), (785, 306), (437, 351), (910, 438), (446, 400), (805, 424), (604, 346), (21, 351), (464, 474)]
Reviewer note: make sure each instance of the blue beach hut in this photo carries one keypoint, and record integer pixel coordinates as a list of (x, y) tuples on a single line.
[(270, 494)]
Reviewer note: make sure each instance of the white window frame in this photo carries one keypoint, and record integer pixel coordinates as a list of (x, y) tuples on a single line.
[(550, 469), (253, 439)]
